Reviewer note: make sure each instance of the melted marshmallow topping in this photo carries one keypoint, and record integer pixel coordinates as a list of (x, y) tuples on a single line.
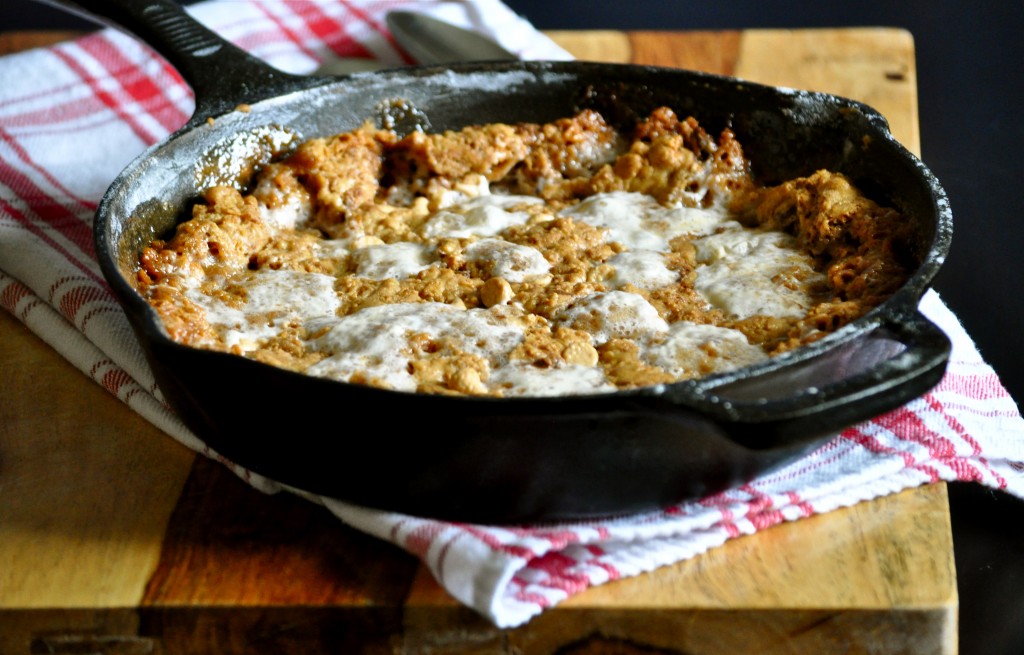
[(269, 300), (746, 273), (739, 271)]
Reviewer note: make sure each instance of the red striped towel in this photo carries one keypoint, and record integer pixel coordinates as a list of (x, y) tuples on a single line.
[(73, 115)]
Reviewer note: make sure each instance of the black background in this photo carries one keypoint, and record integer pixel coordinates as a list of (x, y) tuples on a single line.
[(969, 60)]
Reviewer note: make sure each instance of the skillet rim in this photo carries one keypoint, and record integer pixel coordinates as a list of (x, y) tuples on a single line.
[(912, 290), (697, 395)]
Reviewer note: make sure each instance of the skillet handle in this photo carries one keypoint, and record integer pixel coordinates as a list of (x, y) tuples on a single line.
[(221, 75), (901, 359)]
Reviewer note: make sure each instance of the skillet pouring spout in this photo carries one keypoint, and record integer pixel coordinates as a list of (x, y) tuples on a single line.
[(515, 460)]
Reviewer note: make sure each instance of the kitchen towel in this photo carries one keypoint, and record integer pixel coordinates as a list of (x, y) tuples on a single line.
[(71, 116)]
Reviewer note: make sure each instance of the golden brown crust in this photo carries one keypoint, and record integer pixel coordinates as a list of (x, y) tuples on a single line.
[(369, 187), (220, 238), (859, 240), (621, 361)]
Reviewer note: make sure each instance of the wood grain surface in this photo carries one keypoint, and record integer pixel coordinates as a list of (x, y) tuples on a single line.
[(116, 539)]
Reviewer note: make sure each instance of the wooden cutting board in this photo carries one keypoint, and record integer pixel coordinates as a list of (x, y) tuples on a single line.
[(115, 539)]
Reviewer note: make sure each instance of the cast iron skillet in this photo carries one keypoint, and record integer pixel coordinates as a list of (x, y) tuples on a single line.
[(515, 460)]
